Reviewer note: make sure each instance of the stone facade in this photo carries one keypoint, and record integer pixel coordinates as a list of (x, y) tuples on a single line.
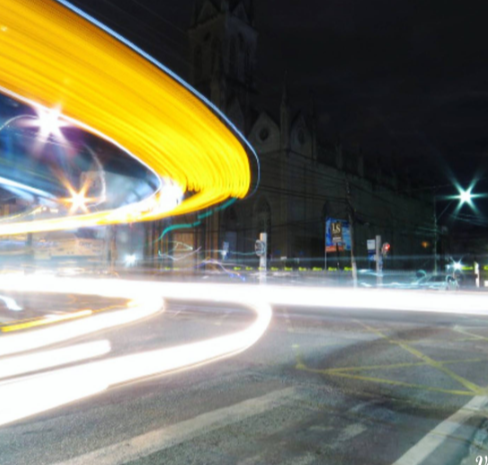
[(303, 178)]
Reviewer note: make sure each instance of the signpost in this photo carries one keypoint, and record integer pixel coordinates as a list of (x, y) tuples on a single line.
[(225, 250), (379, 262), (260, 248)]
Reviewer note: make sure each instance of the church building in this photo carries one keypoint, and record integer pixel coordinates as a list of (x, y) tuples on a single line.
[(306, 180)]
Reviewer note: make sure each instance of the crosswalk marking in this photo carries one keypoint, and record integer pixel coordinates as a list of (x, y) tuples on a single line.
[(429, 443), (163, 438)]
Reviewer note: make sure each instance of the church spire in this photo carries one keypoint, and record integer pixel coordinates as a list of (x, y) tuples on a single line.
[(224, 5), (284, 92), (285, 115), (314, 129), (250, 10)]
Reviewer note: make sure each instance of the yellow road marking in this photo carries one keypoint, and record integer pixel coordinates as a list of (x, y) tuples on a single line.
[(331, 372), (403, 384), (46, 321), (472, 336), (402, 365), (42, 321), (427, 361), (474, 388)]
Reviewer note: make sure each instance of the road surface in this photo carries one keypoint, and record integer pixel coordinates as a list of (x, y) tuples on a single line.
[(321, 386)]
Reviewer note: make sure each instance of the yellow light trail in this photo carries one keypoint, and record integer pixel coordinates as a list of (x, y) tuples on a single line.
[(50, 57)]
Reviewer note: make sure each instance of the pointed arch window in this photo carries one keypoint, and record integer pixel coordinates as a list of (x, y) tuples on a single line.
[(198, 63), (247, 67), (216, 47), (263, 216), (233, 56), (241, 42)]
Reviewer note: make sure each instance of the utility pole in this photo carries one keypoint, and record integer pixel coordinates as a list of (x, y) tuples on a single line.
[(351, 232), (435, 232), (379, 262), (261, 249)]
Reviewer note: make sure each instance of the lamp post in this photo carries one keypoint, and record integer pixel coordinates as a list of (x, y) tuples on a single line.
[(463, 197)]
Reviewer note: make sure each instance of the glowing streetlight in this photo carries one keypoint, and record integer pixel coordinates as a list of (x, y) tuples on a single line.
[(465, 196), (49, 123), (130, 260), (78, 200)]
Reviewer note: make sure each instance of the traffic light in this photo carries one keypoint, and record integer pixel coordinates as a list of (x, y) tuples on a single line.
[(385, 249)]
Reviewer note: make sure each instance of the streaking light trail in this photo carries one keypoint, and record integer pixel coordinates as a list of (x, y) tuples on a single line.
[(66, 385), (51, 358), (52, 58)]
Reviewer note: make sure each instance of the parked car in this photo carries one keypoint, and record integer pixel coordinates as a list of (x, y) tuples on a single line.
[(438, 282), (63, 244), (215, 269)]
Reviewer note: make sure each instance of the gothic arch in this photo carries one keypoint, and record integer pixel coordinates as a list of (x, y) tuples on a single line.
[(262, 216), (233, 56), (230, 220), (242, 43), (247, 67), (216, 48), (198, 63)]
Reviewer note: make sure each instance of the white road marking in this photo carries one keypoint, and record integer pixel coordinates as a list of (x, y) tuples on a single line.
[(163, 438), (429, 443), (302, 459), (351, 431)]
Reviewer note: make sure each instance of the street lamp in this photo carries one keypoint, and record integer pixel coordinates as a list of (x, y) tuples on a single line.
[(465, 196), (48, 121), (78, 200)]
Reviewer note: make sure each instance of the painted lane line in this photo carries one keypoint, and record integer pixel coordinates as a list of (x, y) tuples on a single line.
[(429, 443), (164, 438), (16, 343)]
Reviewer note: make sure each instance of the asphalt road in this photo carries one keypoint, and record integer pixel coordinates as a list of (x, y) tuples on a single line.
[(322, 386)]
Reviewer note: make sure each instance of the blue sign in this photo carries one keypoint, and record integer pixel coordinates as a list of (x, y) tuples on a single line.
[(346, 235)]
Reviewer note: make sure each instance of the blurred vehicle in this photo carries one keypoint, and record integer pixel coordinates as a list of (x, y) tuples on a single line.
[(62, 244), (13, 245), (439, 282), (215, 269)]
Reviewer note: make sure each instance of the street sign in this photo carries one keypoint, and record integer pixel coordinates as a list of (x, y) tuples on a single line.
[(225, 250), (260, 248), (336, 230), (371, 246)]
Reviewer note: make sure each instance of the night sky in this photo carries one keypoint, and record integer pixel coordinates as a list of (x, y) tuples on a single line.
[(404, 78)]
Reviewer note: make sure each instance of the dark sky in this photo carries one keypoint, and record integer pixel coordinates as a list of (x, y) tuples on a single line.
[(399, 78)]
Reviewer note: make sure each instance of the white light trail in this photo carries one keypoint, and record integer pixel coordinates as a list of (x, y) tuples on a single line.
[(51, 388), (10, 303), (14, 366), (66, 385), (38, 394)]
